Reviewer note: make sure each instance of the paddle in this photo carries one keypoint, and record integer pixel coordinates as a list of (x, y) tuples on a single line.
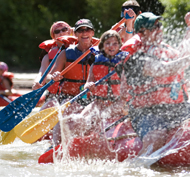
[(5, 98), (34, 127), (7, 137), (17, 110), (116, 123)]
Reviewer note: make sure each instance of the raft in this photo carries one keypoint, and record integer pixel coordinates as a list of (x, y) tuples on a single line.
[(120, 143)]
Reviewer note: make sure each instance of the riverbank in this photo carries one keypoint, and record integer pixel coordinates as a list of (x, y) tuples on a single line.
[(24, 80)]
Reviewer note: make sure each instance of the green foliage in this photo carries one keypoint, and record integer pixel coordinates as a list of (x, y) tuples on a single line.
[(26, 23), (175, 11), (104, 14)]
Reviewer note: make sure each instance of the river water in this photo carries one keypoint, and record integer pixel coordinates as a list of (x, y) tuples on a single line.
[(20, 159)]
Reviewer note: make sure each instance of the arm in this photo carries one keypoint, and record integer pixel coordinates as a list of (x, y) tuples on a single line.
[(7, 86), (90, 83), (155, 68), (127, 32), (43, 67), (58, 67)]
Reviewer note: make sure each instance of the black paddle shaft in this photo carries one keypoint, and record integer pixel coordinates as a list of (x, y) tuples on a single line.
[(117, 122)]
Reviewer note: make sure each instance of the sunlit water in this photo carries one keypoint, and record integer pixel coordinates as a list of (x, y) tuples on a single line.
[(21, 159)]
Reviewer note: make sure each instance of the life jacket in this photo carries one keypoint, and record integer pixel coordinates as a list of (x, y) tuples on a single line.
[(51, 54), (75, 78), (132, 45), (53, 49), (148, 91), (9, 76), (48, 44), (110, 88)]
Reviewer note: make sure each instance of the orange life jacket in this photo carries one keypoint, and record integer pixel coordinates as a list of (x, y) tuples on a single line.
[(156, 90), (110, 88), (75, 78)]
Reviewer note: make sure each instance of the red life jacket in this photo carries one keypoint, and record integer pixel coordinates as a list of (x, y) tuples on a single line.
[(9, 76), (158, 91), (51, 54), (48, 44), (110, 89)]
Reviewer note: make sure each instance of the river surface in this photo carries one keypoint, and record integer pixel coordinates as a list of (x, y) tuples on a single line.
[(20, 159)]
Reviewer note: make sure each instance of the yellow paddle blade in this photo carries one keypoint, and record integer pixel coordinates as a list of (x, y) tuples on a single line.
[(34, 127), (7, 137)]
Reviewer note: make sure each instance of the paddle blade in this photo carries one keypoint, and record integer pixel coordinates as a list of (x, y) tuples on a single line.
[(34, 127), (17, 110), (7, 137)]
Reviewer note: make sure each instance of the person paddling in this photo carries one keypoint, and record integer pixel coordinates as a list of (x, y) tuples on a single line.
[(106, 94), (74, 79), (152, 83), (50, 49), (132, 9)]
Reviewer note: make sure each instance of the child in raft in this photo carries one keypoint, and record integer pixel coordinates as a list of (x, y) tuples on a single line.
[(106, 94)]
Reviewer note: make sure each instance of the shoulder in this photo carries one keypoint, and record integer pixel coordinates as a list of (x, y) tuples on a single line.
[(100, 58), (131, 44), (47, 45), (71, 48)]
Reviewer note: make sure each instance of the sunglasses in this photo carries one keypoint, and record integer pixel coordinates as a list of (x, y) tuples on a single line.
[(57, 31), (81, 30), (156, 26)]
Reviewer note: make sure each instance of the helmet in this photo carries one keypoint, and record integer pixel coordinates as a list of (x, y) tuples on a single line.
[(3, 66)]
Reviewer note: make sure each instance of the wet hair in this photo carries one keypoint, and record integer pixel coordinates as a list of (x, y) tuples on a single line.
[(107, 35)]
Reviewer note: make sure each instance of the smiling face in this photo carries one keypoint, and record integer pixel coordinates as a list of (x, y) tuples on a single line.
[(61, 31), (111, 46), (84, 35)]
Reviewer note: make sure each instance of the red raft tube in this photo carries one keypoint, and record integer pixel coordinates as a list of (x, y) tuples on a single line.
[(180, 153), (118, 143), (120, 146)]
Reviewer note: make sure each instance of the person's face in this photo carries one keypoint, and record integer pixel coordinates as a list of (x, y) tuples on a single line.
[(84, 34), (154, 36), (111, 46), (61, 31)]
